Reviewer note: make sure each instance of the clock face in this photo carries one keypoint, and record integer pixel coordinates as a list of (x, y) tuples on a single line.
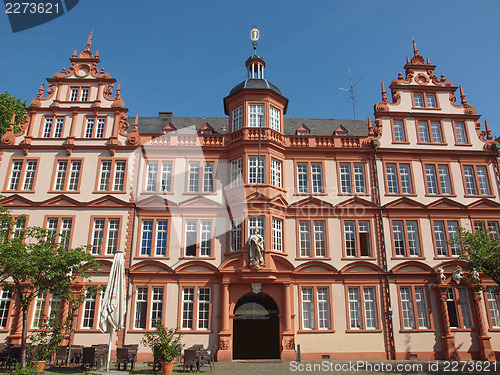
[(255, 34)]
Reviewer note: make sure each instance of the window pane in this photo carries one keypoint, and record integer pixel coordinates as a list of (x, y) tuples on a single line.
[(194, 177), (156, 305), (423, 131), (89, 128), (422, 311), (404, 173), (187, 308), (119, 175), (413, 241), (460, 132), (47, 127), (354, 308), (364, 238), (440, 237), (350, 238), (141, 306), (152, 176), (101, 124), (237, 172), (208, 177), (59, 127), (166, 176), (29, 174), (5, 299), (437, 137), (470, 181), (430, 174), (493, 307), (302, 178), (392, 180), (359, 178), (114, 226), (275, 117), (482, 178), (235, 235), (146, 237), (60, 175), (419, 100), (276, 172), (463, 296), (371, 320), (161, 237), (15, 174), (256, 115), (305, 238), (444, 179), (105, 175), (452, 234), (399, 239), (317, 178), (191, 238), (256, 170), (345, 178), (399, 132), (277, 234), (237, 118), (74, 175), (98, 235), (323, 308), (431, 100), (307, 308), (203, 308), (407, 308), (206, 238), (320, 238)]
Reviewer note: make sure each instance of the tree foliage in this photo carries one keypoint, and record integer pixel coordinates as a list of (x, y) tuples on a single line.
[(32, 262), (481, 250), (9, 105)]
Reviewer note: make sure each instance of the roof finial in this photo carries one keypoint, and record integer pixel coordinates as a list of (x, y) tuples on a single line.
[(370, 126), (136, 122), (384, 93), (415, 50), (488, 130), (89, 41), (462, 96), (254, 35)]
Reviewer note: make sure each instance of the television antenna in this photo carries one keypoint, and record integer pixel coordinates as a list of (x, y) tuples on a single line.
[(351, 91)]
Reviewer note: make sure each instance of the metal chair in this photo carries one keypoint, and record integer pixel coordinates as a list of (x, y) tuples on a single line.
[(205, 358), (61, 355), (191, 359), (123, 356), (89, 357)]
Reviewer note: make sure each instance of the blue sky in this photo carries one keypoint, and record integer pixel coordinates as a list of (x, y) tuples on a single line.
[(185, 56)]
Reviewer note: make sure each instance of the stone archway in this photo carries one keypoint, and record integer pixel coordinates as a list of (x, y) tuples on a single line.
[(256, 328)]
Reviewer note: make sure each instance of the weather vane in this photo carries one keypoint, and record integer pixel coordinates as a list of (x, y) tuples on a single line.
[(254, 35)]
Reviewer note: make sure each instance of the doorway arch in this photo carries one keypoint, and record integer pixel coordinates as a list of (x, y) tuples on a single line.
[(256, 328)]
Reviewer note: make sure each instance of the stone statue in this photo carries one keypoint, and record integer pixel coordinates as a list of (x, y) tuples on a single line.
[(256, 243), (475, 275), (441, 274), (457, 275)]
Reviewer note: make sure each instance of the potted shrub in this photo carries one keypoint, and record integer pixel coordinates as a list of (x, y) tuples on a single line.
[(44, 343), (165, 344)]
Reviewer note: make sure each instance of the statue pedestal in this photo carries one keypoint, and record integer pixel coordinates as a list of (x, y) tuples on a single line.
[(225, 353), (288, 344)]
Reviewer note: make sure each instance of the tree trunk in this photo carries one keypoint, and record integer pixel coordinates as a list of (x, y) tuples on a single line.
[(24, 337)]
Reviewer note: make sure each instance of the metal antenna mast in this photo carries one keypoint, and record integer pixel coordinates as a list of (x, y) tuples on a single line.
[(351, 91)]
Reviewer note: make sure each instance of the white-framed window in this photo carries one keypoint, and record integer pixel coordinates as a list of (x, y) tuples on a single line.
[(406, 238), (445, 232), (437, 136), (414, 310), (277, 234), (74, 94), (196, 308), (310, 178), (423, 132), (65, 181), (39, 312), (59, 230), (443, 187), (275, 119), (47, 127), (276, 172), (316, 310), (165, 174), (141, 308), (363, 313), (84, 94), (256, 222), (312, 243), (235, 235), (398, 177), (156, 305), (105, 236), (237, 118), (92, 130), (356, 179), (418, 100), (459, 308), (236, 172), (476, 180), (89, 310), (492, 229), (256, 170), (89, 127), (198, 240), (112, 175), (204, 184), (194, 176), (22, 174), (431, 100), (461, 133), (493, 306), (154, 234), (399, 131), (5, 302), (255, 115), (357, 238)]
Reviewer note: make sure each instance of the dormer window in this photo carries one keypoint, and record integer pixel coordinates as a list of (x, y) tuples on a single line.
[(275, 118), (207, 129), (79, 94), (303, 130), (237, 118), (425, 100), (255, 115)]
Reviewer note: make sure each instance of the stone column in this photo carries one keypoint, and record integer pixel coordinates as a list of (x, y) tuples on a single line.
[(483, 339), (288, 337), (225, 353), (449, 350)]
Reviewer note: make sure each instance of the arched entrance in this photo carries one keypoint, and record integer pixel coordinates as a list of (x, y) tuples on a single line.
[(256, 328)]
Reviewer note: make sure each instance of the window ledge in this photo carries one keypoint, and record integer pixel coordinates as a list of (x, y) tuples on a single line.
[(432, 143), (158, 257), (308, 258), (441, 195), (309, 194), (437, 257), (64, 191), (187, 331), (316, 331), (463, 144), (196, 257), (109, 192), (358, 258), (426, 108), (363, 330), (463, 329), (395, 257), (157, 192), (18, 191), (479, 196), (416, 330), (400, 143), (400, 194), (353, 194)]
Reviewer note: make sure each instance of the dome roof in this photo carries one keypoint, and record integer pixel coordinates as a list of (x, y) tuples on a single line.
[(255, 84)]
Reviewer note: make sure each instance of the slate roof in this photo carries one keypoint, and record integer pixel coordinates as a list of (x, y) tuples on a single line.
[(154, 125), (255, 84)]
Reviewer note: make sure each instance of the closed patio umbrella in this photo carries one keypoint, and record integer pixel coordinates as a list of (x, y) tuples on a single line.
[(114, 303)]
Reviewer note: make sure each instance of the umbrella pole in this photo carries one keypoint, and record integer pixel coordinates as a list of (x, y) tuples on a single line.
[(109, 348)]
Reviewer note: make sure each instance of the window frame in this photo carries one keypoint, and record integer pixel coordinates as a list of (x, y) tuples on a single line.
[(22, 174), (405, 132), (316, 328), (430, 319), (476, 180), (60, 219), (201, 177), (439, 186), (97, 312), (239, 119), (406, 239), (149, 306), (458, 306), (424, 94), (159, 173), (282, 236), (196, 305), (429, 132), (361, 287), (398, 178), (154, 237), (54, 119), (310, 184), (79, 94), (487, 307), (67, 176), (112, 176), (466, 133), (358, 255), (352, 177), (249, 169), (449, 250), (312, 238), (8, 312), (94, 129), (105, 236), (198, 238)]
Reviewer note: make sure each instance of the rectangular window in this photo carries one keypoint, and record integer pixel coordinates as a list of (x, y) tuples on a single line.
[(418, 100), (256, 170), (235, 235), (237, 118), (105, 233), (275, 119), (398, 177), (470, 180), (459, 309), (198, 243), (141, 308), (461, 133), (59, 127), (255, 115), (236, 172), (307, 308), (431, 100), (196, 303), (5, 302), (208, 177), (357, 238), (74, 94), (277, 234), (84, 95), (89, 128), (59, 230), (445, 232), (47, 127), (345, 178), (22, 175), (302, 178), (165, 174), (194, 177), (312, 244), (437, 136), (356, 179), (414, 310), (316, 308), (109, 169), (156, 305), (493, 307), (399, 131), (362, 308), (423, 132), (276, 173), (312, 172), (89, 310), (19, 227), (323, 303), (101, 124), (39, 312), (406, 242), (256, 222), (65, 180)]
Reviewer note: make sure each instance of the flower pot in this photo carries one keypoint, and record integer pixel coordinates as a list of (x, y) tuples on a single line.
[(167, 367), (39, 366)]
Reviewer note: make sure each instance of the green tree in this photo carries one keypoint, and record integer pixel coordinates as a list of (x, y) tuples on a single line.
[(32, 261), (8, 106), (481, 250)]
